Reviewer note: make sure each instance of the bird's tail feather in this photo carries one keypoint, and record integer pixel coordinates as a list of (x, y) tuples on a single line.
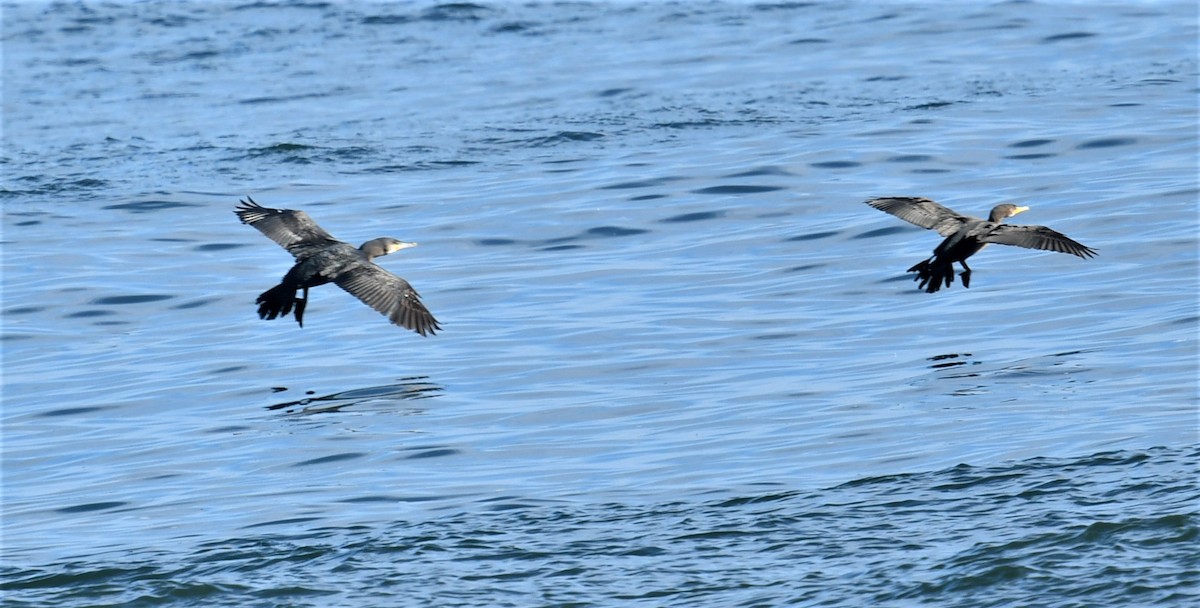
[(276, 302), (932, 274)]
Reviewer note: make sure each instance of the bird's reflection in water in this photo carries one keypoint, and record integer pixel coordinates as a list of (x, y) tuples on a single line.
[(951, 360), (416, 387)]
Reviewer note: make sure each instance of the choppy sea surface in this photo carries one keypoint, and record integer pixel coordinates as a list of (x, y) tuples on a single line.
[(681, 364)]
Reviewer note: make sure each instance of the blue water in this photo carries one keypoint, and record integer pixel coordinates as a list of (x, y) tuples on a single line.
[(681, 361)]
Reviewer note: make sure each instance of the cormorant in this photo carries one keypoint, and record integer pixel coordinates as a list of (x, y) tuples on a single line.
[(966, 235), (322, 259)]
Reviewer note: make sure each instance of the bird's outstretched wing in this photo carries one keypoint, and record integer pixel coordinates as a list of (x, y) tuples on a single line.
[(293, 230), (1035, 237), (390, 295), (922, 212)]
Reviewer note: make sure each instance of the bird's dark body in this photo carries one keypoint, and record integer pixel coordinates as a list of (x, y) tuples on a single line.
[(938, 270), (966, 236), (315, 270)]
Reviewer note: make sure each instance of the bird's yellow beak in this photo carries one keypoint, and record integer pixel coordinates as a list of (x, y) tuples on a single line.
[(1020, 210), (397, 246)]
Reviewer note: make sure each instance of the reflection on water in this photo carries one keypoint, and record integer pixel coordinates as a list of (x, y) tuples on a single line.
[(407, 389), (950, 360)]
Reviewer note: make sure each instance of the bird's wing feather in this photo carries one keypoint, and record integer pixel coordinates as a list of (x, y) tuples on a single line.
[(390, 295), (293, 230), (1035, 237), (922, 212)]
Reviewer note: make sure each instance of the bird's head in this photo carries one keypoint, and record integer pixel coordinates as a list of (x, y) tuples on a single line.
[(1005, 211), (383, 246)]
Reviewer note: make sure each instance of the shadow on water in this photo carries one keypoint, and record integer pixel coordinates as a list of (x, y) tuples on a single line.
[(416, 387)]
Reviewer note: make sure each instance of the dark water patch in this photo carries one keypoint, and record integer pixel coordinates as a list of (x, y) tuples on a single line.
[(898, 279), (812, 236), (93, 506), (85, 314), (435, 453), (870, 234), (373, 498), (456, 11), (218, 246), (737, 189), (693, 217), (910, 158), (890, 78), (1031, 143), (614, 231), (388, 19), (614, 92), (648, 197), (291, 521), (270, 99), (59, 186), (306, 154), (175, 20), (644, 183), (1030, 156), (776, 336), (1107, 142), (836, 164), (1067, 36), (229, 429), (24, 310), (119, 300), (564, 136), (496, 242), (27, 223), (197, 55), (932, 105), (420, 166), (928, 170), (194, 304), (284, 148), (329, 459), (809, 41), (782, 6), (71, 411), (148, 206), (514, 27), (561, 247), (805, 267), (760, 172), (694, 124)]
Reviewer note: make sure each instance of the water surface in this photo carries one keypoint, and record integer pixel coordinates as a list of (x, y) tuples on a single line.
[(681, 364)]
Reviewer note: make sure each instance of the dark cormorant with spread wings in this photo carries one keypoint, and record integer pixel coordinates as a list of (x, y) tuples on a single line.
[(966, 235), (322, 259)]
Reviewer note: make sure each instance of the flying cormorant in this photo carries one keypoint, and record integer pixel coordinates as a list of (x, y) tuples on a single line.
[(322, 259), (966, 235)]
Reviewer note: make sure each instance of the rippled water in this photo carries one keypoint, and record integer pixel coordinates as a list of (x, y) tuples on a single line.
[(681, 362)]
